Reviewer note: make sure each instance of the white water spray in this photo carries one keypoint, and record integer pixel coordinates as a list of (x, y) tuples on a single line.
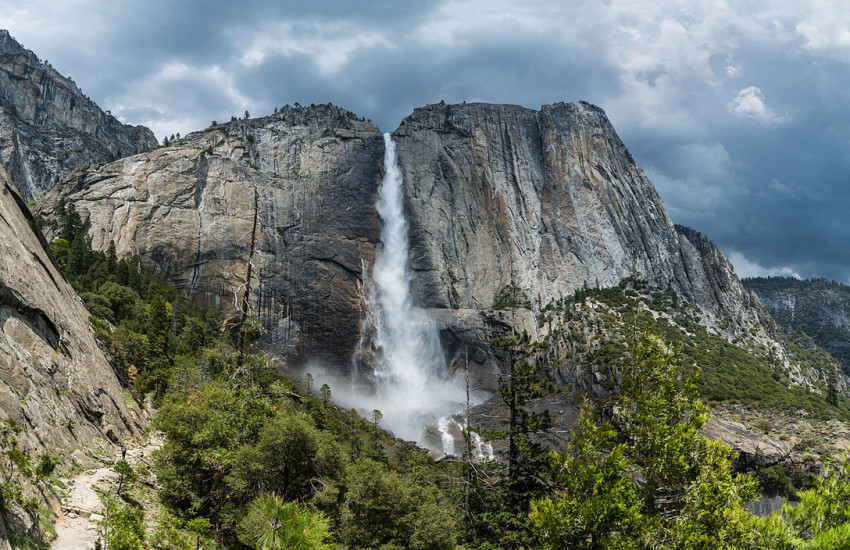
[(410, 373)]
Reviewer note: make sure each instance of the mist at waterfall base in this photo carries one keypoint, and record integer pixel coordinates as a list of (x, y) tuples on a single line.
[(408, 380)]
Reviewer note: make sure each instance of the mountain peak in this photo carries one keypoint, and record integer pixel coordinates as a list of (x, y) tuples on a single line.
[(48, 126)]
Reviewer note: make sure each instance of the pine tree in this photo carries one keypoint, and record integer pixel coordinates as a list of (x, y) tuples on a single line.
[(832, 387), (157, 329), (598, 505), (505, 514), (272, 524), (70, 222), (79, 256), (518, 389), (666, 485), (112, 258)]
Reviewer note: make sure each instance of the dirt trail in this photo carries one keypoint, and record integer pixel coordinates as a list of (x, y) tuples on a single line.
[(77, 524)]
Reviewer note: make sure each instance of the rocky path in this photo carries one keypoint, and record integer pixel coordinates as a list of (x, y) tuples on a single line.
[(77, 524)]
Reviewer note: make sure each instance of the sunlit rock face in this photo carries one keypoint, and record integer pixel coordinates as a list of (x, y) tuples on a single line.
[(495, 195), (49, 127), (550, 201), (310, 176), (54, 380)]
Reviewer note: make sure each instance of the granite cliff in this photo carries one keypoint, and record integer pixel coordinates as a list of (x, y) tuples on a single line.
[(54, 380), (550, 202), (821, 308), (498, 197), (49, 127), (505, 205), (308, 175)]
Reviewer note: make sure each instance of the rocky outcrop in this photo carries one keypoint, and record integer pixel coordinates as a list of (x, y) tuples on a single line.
[(309, 175), (49, 127), (54, 380), (548, 200)]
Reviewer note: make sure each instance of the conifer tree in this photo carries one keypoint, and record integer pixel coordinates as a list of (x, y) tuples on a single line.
[(666, 485), (503, 513)]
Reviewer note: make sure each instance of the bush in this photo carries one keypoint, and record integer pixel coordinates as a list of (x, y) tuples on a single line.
[(383, 509)]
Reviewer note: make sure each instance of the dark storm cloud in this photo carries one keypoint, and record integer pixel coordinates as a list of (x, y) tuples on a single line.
[(738, 111)]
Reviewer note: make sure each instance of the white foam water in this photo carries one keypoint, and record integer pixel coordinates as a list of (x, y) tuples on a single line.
[(411, 388), (410, 371)]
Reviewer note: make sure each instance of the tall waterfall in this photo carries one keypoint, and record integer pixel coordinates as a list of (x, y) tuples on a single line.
[(410, 374)]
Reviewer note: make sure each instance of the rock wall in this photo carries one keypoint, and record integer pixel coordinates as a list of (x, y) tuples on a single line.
[(309, 174), (54, 380), (819, 307), (48, 126), (550, 201)]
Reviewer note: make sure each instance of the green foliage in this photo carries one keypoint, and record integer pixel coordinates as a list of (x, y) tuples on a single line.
[(200, 527), (15, 467), (274, 524), (291, 459), (46, 465), (816, 302), (822, 510), (384, 510), (175, 533), (505, 518), (659, 417), (598, 505), (736, 373), (123, 526), (518, 389), (204, 431), (782, 480), (512, 296), (661, 483), (229, 443), (126, 475), (153, 336), (821, 520)]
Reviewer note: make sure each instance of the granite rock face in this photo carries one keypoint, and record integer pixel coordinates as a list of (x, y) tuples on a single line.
[(310, 175), (49, 127), (54, 380), (549, 201), (819, 307)]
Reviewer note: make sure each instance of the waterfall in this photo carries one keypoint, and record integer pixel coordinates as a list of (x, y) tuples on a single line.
[(410, 371), (401, 342)]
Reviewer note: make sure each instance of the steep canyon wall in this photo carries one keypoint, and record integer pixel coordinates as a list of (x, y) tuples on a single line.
[(310, 175), (55, 382), (496, 195)]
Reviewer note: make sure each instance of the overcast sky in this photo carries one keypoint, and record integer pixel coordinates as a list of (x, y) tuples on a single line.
[(738, 110)]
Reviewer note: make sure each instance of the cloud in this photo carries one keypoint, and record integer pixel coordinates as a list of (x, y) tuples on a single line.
[(152, 100), (670, 74), (749, 103), (745, 268), (696, 182), (826, 29), (330, 45)]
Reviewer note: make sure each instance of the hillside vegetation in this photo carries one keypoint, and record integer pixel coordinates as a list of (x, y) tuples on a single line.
[(591, 329), (819, 307), (252, 459)]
